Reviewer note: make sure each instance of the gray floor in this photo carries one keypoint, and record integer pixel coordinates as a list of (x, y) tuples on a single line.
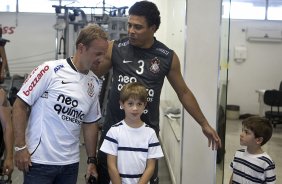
[(233, 129), (273, 147), (17, 177)]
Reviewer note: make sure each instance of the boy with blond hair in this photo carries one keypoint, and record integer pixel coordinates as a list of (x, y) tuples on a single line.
[(132, 147)]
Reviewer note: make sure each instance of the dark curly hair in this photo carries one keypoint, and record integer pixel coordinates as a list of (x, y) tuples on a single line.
[(147, 9)]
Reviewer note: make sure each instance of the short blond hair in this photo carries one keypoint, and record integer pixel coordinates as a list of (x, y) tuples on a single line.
[(134, 90), (90, 33)]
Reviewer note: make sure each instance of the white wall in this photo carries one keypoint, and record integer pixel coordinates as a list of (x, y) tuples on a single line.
[(172, 33), (31, 42), (261, 70), (201, 73)]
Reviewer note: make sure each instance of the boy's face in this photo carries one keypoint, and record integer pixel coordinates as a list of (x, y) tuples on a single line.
[(133, 108), (247, 138)]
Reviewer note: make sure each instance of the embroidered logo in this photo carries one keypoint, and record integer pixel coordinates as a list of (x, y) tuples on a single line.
[(90, 90), (44, 95), (57, 68), (127, 61), (64, 82), (155, 65)]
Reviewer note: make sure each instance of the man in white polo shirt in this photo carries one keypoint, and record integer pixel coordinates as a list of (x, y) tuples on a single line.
[(61, 97)]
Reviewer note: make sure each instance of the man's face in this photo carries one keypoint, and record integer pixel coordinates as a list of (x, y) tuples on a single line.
[(140, 34), (94, 54)]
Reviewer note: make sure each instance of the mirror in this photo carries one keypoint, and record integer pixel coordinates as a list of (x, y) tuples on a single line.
[(248, 74)]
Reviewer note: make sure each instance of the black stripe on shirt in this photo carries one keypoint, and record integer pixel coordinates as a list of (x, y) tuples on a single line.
[(132, 149), (130, 175), (249, 165), (267, 160), (270, 179), (154, 144), (244, 175), (111, 139)]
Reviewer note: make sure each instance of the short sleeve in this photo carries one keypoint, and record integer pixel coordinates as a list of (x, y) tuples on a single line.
[(155, 150), (110, 143), (36, 83)]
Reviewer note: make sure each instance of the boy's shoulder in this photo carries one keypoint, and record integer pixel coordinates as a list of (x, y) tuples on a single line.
[(118, 124)]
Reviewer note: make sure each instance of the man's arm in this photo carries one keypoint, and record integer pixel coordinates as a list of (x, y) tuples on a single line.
[(19, 119), (190, 103), (90, 134), (7, 128), (149, 171), (113, 170), (105, 65)]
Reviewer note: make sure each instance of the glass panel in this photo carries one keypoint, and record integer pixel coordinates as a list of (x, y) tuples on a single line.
[(274, 11), (45, 6), (244, 9), (8, 6), (222, 90)]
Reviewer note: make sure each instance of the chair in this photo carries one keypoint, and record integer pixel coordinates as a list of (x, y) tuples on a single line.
[(273, 98)]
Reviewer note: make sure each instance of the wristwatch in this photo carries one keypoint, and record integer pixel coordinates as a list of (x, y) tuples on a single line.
[(92, 160), (20, 148)]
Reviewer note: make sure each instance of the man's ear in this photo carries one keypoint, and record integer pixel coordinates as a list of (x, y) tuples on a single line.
[(80, 47), (153, 28)]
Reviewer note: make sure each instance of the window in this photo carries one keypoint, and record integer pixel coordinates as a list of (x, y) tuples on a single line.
[(274, 11), (253, 9), (45, 6)]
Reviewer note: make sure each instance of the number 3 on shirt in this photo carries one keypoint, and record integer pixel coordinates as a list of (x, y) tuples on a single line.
[(141, 67)]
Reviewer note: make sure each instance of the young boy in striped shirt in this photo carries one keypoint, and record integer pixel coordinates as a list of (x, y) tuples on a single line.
[(252, 164), (131, 145)]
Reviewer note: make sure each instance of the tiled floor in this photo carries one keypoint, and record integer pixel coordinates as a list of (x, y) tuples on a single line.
[(17, 177), (273, 147)]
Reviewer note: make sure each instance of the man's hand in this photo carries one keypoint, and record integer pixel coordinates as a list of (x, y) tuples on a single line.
[(8, 166), (91, 170), (212, 136), (22, 160)]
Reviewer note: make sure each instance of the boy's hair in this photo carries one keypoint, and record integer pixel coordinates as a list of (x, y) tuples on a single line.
[(89, 33), (147, 9), (260, 126), (133, 90)]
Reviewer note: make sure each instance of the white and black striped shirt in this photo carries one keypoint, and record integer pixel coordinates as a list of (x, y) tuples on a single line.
[(133, 147), (251, 169)]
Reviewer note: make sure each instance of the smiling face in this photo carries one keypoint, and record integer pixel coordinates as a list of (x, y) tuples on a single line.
[(139, 33)]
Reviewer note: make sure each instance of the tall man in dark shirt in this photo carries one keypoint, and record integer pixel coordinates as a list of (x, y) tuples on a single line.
[(141, 57)]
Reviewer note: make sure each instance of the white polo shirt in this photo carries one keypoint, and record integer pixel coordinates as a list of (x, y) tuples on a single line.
[(61, 99)]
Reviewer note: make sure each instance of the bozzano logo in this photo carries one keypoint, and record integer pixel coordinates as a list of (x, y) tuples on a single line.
[(35, 80)]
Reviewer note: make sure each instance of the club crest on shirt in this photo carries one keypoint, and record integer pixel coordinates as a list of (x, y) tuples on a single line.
[(90, 89), (155, 65)]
